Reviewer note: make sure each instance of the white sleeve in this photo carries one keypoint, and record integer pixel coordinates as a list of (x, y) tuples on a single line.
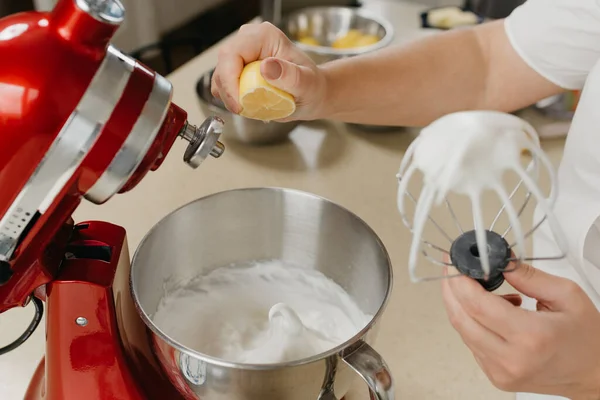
[(560, 39)]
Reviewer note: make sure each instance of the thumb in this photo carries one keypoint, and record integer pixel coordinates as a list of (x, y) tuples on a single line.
[(285, 75), (547, 289)]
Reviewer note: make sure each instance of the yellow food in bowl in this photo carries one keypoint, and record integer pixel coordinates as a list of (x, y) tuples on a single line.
[(310, 41), (348, 40), (367, 40), (353, 39)]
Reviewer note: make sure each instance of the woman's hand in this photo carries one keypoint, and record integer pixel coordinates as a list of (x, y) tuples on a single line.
[(555, 350), (283, 66)]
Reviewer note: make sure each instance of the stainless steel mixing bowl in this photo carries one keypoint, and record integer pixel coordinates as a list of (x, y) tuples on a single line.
[(326, 24), (245, 130), (244, 225)]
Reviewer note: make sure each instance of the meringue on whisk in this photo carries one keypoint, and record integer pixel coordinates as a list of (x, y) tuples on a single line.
[(468, 153)]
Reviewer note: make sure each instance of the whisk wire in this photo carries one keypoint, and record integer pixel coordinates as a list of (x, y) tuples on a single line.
[(438, 278), (518, 264), (510, 197), (429, 218), (530, 231), (453, 215), (546, 204), (433, 246), (513, 219), (529, 259), (436, 261), (421, 214), (519, 213), (532, 165)]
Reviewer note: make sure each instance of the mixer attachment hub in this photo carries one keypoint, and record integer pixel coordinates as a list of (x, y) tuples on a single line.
[(204, 141), (109, 11), (465, 257)]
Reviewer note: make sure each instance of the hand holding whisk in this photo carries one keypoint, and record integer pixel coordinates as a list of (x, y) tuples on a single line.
[(468, 153)]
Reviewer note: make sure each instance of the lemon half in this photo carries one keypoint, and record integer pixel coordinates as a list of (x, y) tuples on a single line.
[(261, 100)]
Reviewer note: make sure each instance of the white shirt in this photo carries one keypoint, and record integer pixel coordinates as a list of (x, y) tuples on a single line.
[(560, 39)]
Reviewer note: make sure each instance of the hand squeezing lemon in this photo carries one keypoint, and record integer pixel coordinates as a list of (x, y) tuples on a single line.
[(261, 100)]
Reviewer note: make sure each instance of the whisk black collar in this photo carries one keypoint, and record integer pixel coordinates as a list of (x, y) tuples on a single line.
[(465, 257)]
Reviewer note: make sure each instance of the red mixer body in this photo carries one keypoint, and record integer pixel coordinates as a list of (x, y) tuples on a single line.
[(79, 119), (108, 355)]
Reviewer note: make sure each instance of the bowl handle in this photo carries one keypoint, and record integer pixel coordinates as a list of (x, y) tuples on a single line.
[(369, 364)]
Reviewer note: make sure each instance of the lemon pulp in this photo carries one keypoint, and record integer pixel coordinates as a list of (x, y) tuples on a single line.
[(259, 99)]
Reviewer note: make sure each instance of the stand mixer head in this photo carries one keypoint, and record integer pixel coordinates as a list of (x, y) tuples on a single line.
[(78, 119)]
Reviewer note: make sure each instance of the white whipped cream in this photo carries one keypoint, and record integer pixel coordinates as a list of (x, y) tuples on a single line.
[(468, 153), (262, 313)]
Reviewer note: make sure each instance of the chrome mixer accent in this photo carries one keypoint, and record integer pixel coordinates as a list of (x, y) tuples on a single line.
[(139, 140), (111, 11), (204, 141)]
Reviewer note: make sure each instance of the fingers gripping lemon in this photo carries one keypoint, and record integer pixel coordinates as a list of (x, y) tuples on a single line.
[(261, 100)]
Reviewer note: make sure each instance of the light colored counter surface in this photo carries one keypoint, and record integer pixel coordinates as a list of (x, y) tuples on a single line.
[(354, 169)]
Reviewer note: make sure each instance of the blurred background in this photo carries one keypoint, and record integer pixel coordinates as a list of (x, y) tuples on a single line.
[(166, 34)]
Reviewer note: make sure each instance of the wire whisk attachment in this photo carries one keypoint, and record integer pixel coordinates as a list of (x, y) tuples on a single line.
[(469, 154)]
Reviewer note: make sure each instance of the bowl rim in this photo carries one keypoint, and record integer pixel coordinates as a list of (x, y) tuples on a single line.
[(329, 51), (263, 367)]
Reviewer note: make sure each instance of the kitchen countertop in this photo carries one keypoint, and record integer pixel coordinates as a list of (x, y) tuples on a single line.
[(353, 168)]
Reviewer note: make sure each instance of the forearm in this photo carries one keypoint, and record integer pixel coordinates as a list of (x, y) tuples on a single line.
[(413, 85)]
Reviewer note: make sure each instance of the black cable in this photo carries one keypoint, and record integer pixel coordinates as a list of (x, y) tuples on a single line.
[(37, 318)]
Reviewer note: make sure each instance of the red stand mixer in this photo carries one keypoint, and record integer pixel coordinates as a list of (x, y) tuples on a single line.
[(79, 119)]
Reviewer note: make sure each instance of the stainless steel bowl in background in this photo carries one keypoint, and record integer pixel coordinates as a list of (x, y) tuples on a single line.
[(326, 24), (245, 130), (245, 225)]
